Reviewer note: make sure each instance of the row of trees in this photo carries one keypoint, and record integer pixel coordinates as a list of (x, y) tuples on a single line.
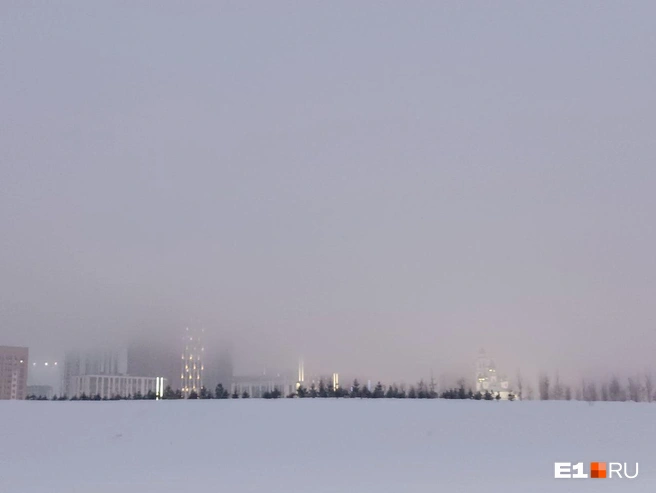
[(636, 388), (169, 394), (322, 390), (419, 391)]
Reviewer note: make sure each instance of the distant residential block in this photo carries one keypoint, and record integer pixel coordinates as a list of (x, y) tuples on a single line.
[(13, 372)]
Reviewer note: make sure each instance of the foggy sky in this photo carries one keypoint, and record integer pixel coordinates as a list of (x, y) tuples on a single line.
[(383, 187)]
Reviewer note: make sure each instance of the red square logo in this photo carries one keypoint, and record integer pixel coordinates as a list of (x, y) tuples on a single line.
[(598, 470)]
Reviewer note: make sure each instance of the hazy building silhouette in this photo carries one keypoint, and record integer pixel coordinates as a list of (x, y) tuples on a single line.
[(92, 362), (218, 367), (45, 374), (155, 358)]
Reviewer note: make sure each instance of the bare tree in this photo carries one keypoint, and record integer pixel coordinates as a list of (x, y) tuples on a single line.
[(634, 390), (530, 395), (590, 392), (568, 393), (543, 385), (520, 384), (615, 391), (583, 392), (558, 392), (649, 387)]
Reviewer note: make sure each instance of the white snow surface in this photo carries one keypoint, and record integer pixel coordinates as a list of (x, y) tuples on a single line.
[(317, 445)]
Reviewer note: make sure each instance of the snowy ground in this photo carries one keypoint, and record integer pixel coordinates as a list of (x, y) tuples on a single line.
[(319, 446)]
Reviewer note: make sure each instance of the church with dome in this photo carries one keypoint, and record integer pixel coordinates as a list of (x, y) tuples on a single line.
[(487, 378)]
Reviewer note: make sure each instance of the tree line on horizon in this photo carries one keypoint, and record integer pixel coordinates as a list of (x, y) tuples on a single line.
[(636, 389), (322, 390)]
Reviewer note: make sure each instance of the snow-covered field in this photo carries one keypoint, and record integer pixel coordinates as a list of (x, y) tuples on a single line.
[(311, 446)]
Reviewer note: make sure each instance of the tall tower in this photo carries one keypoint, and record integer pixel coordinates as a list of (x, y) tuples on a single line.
[(192, 362)]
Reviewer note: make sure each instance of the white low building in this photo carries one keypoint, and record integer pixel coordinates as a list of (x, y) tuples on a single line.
[(108, 386), (257, 385)]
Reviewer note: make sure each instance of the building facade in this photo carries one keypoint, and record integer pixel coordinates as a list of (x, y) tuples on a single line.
[(13, 372), (109, 386), (191, 374)]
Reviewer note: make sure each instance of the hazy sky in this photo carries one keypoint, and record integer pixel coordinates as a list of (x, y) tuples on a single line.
[(383, 187)]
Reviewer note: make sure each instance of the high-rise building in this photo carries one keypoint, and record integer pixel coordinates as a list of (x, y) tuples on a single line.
[(191, 375), (13, 372)]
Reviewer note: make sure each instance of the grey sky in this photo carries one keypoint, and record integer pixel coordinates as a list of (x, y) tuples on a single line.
[(382, 186)]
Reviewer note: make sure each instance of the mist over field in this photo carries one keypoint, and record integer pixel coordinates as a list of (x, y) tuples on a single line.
[(380, 188)]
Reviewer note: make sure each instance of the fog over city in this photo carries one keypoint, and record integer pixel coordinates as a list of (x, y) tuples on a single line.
[(381, 190)]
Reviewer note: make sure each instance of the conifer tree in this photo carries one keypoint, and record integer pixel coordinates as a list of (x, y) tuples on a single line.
[(323, 390), (168, 393), (221, 392), (313, 391), (355, 388)]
